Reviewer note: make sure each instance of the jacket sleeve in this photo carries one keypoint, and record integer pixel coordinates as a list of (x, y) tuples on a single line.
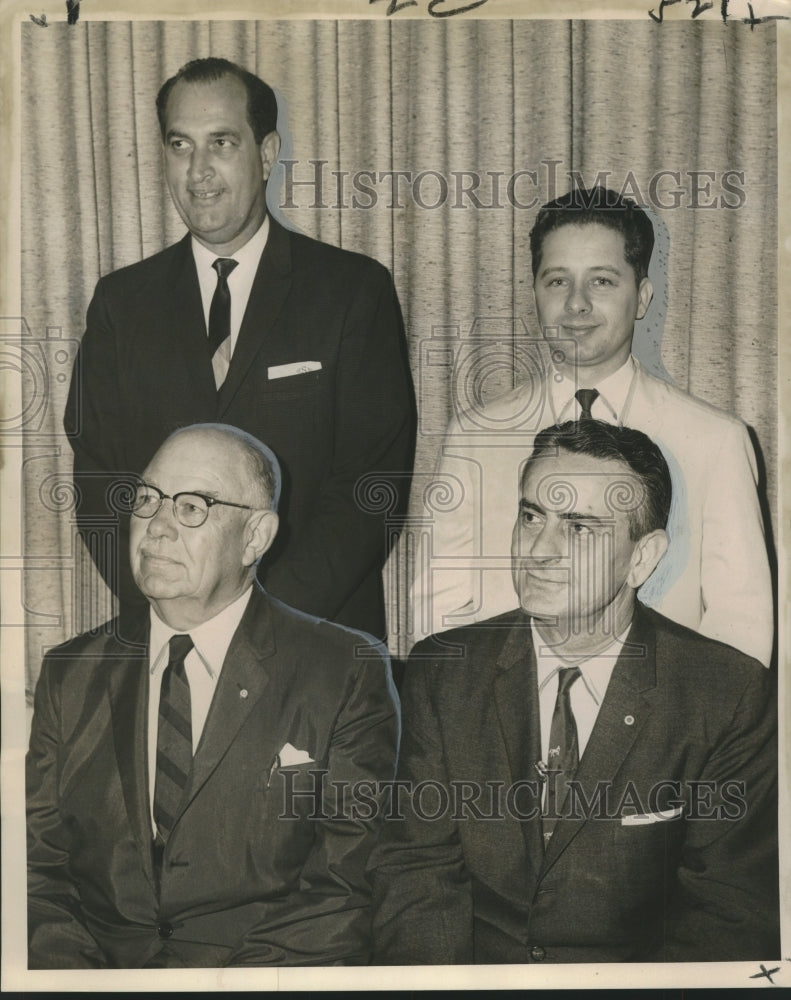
[(735, 578), (57, 935), (345, 538), (328, 920), (422, 890), (97, 433), (725, 905)]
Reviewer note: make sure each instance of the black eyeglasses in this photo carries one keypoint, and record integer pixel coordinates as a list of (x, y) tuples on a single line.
[(191, 509)]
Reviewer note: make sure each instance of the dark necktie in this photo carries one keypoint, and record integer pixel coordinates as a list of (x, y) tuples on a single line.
[(563, 755), (220, 312), (586, 398), (174, 738)]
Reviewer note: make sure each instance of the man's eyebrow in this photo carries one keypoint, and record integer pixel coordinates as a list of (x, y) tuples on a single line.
[(201, 492), (562, 269), (529, 505), (574, 515), (219, 133)]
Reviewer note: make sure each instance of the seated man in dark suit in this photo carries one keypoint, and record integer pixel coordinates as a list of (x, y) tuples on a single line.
[(583, 779), (245, 322), (180, 811)]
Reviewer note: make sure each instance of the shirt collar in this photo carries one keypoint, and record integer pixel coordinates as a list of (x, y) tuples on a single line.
[(211, 638), (246, 256), (596, 671), (613, 391)]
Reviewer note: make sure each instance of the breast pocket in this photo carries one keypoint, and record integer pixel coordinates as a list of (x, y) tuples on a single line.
[(647, 853), (298, 385)]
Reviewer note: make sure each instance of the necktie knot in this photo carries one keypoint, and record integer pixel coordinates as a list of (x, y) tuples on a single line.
[(566, 677), (586, 398), (180, 647), (223, 266)]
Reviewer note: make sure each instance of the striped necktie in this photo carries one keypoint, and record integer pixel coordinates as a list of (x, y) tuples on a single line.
[(220, 320), (174, 738)]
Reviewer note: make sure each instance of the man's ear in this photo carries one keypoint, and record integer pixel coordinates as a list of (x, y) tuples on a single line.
[(645, 292), (260, 532), (647, 553), (270, 150)]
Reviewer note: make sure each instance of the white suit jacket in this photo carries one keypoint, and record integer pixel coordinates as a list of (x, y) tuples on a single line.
[(715, 575)]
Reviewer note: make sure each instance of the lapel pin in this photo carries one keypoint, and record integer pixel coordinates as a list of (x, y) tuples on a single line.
[(243, 693), (629, 720)]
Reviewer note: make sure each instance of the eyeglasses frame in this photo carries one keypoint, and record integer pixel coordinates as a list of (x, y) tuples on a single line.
[(209, 501)]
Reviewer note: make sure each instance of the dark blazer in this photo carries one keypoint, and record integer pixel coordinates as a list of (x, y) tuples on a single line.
[(696, 880), (144, 370), (259, 869)]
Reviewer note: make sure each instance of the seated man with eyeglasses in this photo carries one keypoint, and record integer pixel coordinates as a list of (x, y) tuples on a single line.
[(183, 793)]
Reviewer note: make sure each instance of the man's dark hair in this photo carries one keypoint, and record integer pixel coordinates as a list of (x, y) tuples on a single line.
[(582, 207), (261, 100), (634, 449)]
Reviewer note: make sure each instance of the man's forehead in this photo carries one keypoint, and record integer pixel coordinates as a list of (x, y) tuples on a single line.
[(581, 484), (579, 234), (226, 91), (198, 455)]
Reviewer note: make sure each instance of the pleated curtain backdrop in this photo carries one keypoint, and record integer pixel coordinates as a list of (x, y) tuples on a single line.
[(448, 102)]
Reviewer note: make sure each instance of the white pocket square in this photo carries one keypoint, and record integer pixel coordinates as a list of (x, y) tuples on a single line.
[(291, 757), (296, 368), (642, 819)]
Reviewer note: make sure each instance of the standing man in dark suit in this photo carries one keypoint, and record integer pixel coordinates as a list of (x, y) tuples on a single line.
[(583, 779), (182, 804), (298, 343)]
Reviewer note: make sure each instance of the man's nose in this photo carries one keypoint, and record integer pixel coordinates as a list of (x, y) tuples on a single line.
[(200, 166), (164, 523), (547, 545), (577, 300)]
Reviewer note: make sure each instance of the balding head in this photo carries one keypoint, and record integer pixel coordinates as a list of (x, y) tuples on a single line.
[(195, 554)]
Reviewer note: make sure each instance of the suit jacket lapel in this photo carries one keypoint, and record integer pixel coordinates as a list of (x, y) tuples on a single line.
[(185, 324), (516, 698), (270, 288), (645, 409), (127, 684), (239, 689), (624, 711)]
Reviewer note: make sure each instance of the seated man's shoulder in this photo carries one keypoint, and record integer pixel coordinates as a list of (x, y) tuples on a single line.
[(470, 645), (104, 642), (688, 658), (328, 642)]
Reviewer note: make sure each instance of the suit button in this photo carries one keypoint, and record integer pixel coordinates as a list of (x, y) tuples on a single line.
[(165, 930), (537, 953)]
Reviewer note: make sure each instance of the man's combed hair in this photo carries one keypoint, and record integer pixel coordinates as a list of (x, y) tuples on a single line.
[(599, 205), (261, 100), (621, 444)]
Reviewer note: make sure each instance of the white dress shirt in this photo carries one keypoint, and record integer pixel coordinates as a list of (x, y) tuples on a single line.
[(240, 280), (586, 694), (203, 666), (611, 405)]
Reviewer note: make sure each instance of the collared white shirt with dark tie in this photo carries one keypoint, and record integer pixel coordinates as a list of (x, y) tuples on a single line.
[(203, 666)]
